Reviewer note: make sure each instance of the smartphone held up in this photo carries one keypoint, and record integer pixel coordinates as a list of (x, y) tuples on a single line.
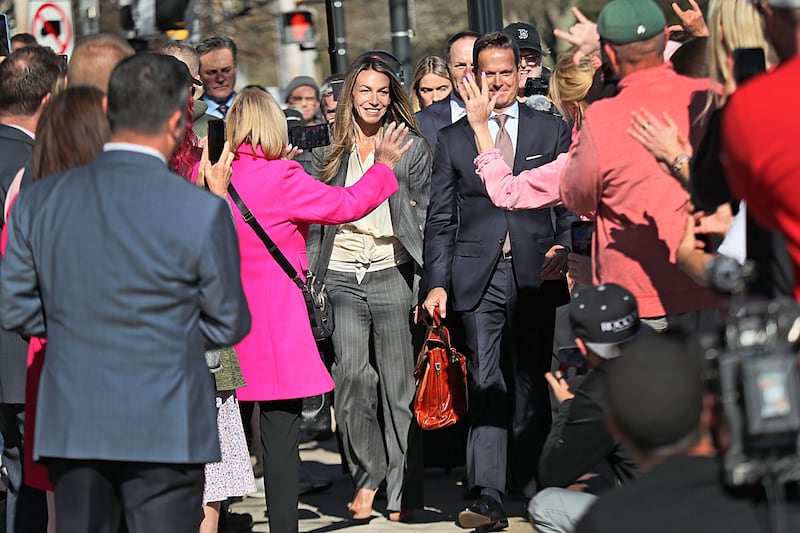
[(582, 231), (307, 137), (5, 36), (748, 62), (216, 139)]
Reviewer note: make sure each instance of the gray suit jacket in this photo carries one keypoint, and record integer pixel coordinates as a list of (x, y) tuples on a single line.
[(407, 206), (130, 272), (15, 153)]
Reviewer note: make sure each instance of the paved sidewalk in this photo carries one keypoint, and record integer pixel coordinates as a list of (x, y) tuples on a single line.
[(327, 511)]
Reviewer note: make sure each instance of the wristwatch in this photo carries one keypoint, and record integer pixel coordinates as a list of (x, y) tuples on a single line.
[(678, 163)]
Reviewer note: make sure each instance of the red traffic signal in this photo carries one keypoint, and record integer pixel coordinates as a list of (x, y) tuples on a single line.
[(298, 27)]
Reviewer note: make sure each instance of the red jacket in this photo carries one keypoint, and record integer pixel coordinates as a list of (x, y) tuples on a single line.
[(760, 156)]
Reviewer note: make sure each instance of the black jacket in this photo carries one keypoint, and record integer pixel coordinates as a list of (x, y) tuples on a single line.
[(578, 439), (682, 494)]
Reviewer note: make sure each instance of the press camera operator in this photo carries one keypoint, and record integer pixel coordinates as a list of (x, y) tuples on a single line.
[(531, 53), (657, 402), (714, 422)]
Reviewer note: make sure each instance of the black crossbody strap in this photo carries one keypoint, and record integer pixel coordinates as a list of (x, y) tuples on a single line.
[(248, 217)]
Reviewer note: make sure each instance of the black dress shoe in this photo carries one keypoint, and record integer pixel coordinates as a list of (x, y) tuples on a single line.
[(486, 513)]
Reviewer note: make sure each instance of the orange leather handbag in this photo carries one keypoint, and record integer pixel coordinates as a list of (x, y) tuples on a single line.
[(441, 375)]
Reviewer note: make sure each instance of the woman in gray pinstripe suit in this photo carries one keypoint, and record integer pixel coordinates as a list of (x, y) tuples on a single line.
[(371, 268)]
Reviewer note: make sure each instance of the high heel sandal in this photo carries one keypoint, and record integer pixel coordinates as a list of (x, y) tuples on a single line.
[(361, 506)]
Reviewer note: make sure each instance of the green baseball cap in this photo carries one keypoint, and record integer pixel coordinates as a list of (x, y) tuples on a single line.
[(629, 21)]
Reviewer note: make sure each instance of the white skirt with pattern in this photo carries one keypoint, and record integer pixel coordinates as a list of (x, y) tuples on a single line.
[(233, 475)]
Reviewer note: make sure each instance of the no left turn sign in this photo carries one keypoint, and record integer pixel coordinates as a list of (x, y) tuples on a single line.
[(51, 24)]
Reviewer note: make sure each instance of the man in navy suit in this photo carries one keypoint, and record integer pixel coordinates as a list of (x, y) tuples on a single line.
[(436, 116), (503, 273), (130, 272), (26, 79)]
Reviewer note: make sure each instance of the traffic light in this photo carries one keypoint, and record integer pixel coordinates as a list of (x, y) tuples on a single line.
[(298, 27), (171, 14)]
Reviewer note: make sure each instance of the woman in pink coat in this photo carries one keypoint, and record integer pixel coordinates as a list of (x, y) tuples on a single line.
[(279, 358)]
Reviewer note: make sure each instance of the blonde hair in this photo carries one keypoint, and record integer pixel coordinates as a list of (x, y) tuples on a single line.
[(732, 24), (344, 137), (570, 83), (255, 118), (426, 65)]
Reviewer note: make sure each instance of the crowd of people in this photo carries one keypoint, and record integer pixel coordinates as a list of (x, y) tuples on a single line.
[(156, 358)]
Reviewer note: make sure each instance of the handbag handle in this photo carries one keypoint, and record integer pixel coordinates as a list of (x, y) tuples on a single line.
[(434, 320), (248, 217), (438, 329)]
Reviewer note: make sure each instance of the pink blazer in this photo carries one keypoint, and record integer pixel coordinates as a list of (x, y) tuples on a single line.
[(279, 357)]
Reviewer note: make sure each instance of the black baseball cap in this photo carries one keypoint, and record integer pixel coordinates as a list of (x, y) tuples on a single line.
[(180, 66), (604, 317), (524, 35)]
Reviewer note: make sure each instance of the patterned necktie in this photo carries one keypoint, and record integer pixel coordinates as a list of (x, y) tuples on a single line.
[(502, 141), (223, 110)]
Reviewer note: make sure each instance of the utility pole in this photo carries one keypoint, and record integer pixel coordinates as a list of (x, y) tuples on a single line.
[(337, 41), (293, 59), (401, 37), (485, 15)]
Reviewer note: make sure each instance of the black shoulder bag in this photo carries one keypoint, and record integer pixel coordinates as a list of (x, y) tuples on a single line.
[(320, 313)]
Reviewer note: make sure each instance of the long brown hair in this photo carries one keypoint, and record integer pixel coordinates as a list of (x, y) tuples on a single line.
[(344, 136), (71, 131)]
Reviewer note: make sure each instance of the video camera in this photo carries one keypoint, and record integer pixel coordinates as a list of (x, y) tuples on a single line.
[(539, 85), (753, 366), (536, 94)]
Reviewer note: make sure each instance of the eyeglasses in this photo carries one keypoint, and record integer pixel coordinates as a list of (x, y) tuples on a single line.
[(531, 58)]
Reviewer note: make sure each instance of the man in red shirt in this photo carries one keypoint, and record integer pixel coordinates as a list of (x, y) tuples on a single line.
[(759, 148), (640, 210)]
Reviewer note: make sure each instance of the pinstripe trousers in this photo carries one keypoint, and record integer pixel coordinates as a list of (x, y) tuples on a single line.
[(372, 317)]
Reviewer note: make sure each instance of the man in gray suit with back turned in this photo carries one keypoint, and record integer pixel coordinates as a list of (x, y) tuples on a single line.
[(130, 273)]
